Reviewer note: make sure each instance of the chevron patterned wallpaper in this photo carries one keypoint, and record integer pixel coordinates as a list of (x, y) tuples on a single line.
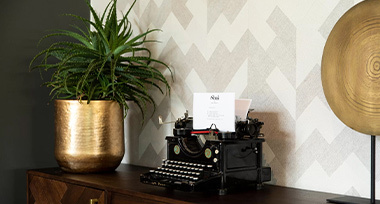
[(269, 51)]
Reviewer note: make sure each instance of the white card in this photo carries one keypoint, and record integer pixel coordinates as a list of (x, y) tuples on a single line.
[(214, 108), (242, 108)]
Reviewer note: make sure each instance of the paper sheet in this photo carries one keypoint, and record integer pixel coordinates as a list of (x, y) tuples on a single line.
[(241, 108), (214, 108)]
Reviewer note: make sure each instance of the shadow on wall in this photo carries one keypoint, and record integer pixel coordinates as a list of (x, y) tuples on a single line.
[(132, 130), (145, 143), (276, 140)]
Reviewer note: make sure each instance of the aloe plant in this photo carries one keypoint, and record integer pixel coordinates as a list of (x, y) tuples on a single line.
[(105, 62)]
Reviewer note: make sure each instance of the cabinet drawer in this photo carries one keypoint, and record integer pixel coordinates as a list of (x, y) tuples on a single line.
[(47, 191)]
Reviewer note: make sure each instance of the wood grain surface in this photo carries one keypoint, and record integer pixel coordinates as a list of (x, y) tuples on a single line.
[(124, 186)]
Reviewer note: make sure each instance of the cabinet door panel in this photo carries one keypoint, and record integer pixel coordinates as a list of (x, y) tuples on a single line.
[(48, 191)]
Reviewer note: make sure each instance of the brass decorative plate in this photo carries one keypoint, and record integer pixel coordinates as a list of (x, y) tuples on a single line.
[(351, 68)]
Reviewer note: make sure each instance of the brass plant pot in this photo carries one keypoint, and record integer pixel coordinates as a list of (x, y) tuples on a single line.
[(88, 137)]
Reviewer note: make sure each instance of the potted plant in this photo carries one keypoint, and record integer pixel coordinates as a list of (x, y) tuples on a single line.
[(93, 76)]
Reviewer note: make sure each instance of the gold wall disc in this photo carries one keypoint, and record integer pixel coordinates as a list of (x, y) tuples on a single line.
[(351, 68)]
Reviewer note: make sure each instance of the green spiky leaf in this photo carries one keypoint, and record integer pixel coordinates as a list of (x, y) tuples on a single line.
[(105, 62)]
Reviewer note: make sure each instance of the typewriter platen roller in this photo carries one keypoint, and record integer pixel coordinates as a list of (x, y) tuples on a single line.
[(199, 160)]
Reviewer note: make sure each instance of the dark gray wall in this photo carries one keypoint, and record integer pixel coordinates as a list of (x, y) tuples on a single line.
[(26, 119)]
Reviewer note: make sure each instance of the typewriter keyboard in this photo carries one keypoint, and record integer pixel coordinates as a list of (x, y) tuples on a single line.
[(181, 171)]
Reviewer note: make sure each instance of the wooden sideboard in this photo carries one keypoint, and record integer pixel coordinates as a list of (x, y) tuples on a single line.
[(53, 186)]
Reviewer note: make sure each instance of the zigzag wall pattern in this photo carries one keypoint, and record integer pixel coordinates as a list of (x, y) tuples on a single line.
[(269, 51)]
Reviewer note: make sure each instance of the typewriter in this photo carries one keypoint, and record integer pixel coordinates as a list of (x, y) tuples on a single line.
[(204, 160)]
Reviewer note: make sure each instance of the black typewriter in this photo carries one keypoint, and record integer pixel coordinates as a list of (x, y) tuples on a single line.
[(200, 160)]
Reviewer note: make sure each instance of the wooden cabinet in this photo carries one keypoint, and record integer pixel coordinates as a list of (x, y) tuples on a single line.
[(48, 191), (53, 186)]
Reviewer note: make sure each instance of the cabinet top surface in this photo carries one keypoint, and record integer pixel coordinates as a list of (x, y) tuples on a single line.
[(126, 180)]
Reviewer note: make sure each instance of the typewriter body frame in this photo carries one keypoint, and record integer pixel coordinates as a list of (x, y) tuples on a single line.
[(227, 160)]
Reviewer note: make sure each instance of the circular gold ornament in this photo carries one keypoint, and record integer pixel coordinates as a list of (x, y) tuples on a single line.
[(351, 68)]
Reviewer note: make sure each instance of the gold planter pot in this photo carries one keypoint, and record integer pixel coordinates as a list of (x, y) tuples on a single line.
[(88, 137)]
